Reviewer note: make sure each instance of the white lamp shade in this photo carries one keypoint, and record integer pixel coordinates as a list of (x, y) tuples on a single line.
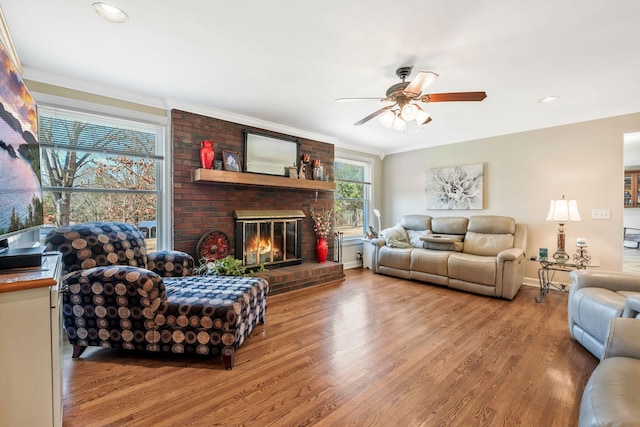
[(563, 211), (398, 124), (422, 117), (409, 112), (387, 118)]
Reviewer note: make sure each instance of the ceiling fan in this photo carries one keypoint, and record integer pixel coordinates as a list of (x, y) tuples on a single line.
[(404, 97)]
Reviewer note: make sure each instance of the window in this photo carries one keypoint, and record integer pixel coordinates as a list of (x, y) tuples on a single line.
[(100, 168), (352, 196)]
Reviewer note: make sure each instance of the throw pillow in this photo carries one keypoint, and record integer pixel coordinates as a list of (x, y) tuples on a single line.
[(396, 237)]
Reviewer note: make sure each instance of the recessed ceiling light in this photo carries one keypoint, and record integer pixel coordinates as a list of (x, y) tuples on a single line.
[(548, 99), (110, 13)]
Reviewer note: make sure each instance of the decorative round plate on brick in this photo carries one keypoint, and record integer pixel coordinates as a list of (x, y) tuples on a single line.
[(213, 245)]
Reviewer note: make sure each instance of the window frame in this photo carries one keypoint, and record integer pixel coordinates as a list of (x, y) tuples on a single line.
[(368, 189), (162, 155)]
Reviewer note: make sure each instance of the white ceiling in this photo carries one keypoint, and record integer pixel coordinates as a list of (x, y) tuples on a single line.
[(285, 61)]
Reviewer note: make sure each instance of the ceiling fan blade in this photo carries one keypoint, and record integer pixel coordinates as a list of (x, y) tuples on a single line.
[(374, 114), (360, 99), (454, 96), (420, 82)]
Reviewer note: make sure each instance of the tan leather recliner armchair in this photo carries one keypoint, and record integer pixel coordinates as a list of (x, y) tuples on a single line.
[(596, 297), (612, 394)]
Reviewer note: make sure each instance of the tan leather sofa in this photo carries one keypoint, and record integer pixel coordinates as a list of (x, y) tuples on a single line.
[(612, 394), (595, 298), (483, 254)]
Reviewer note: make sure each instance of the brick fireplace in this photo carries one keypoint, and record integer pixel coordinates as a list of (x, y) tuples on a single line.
[(199, 208)]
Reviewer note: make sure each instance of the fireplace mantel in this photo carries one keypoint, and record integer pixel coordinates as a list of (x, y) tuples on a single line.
[(226, 177)]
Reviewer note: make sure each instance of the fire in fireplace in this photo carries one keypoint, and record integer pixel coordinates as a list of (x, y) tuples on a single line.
[(272, 238)]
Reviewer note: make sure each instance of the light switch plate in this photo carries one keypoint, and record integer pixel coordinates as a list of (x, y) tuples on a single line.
[(600, 214)]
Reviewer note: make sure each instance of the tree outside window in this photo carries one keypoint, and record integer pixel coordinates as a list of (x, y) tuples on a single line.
[(351, 196), (98, 169)]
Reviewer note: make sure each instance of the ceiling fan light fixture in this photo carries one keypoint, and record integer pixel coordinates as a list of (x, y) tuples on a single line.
[(110, 13), (387, 118), (398, 123), (422, 117), (409, 112)]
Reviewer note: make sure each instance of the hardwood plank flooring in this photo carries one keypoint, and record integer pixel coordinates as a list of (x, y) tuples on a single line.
[(370, 351)]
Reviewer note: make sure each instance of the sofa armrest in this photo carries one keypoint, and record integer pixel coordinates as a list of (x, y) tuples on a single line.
[(378, 242), (510, 254), (622, 338), (612, 280), (170, 263)]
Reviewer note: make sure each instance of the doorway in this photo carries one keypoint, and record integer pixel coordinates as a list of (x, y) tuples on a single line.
[(631, 212)]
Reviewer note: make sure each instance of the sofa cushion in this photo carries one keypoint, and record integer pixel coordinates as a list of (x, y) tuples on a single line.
[(449, 225), (416, 222), (396, 237), (473, 268), (430, 261), (417, 236), (492, 224), (398, 258), (486, 244)]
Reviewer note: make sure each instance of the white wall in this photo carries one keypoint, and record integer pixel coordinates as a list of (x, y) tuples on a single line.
[(522, 172)]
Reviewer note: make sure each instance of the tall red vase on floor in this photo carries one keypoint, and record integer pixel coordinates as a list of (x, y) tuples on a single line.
[(206, 154), (322, 249)]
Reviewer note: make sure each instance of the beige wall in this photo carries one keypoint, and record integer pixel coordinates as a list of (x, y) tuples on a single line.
[(522, 172)]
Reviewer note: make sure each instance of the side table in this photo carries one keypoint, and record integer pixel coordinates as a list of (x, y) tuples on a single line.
[(547, 271), (367, 254)]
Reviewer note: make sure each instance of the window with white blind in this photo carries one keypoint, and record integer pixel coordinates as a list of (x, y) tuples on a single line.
[(100, 168)]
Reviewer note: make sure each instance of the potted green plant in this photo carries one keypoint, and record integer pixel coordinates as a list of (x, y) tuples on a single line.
[(227, 266)]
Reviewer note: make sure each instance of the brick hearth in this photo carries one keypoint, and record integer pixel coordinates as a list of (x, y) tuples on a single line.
[(300, 276)]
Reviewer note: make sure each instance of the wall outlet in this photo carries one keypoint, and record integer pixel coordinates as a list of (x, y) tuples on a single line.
[(358, 255), (600, 214)]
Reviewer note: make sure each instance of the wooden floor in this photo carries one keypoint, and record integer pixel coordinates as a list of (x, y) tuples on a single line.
[(370, 351)]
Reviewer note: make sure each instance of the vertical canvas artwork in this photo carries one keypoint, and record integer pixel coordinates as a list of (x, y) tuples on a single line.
[(458, 187), (20, 187)]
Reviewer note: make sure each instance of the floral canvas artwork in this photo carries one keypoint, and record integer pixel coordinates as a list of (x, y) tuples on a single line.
[(458, 187)]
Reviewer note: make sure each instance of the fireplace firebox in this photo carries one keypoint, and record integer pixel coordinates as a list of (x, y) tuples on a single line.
[(272, 238)]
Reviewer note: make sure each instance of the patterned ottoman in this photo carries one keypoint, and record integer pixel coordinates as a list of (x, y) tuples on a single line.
[(209, 314)]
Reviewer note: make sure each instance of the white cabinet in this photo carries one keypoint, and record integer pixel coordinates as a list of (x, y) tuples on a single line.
[(368, 252), (30, 370)]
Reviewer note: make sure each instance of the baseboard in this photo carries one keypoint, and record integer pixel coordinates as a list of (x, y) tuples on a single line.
[(352, 264)]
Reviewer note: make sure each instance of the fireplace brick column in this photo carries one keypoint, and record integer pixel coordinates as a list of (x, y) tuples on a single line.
[(202, 207)]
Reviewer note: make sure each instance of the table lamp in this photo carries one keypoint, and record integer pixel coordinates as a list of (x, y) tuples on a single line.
[(561, 211)]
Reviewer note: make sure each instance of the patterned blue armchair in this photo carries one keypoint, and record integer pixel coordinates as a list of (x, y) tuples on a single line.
[(118, 296)]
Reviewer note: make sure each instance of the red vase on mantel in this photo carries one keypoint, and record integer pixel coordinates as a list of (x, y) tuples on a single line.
[(206, 154), (322, 249)]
